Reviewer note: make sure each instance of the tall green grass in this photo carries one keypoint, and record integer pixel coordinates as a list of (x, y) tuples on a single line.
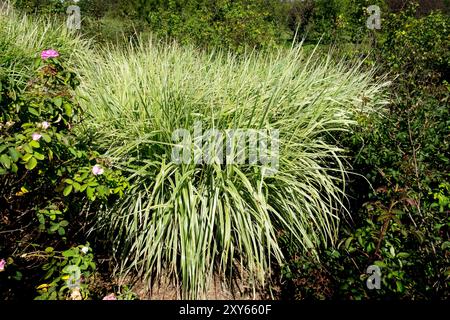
[(190, 221)]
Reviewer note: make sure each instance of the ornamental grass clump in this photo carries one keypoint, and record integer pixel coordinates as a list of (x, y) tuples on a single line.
[(192, 221)]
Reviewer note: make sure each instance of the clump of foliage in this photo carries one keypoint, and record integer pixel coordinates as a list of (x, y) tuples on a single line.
[(191, 220), (331, 21), (71, 274), (208, 24), (425, 42), (401, 221), (47, 175), (212, 24)]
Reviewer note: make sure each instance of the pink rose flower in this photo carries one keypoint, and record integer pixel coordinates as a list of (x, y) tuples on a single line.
[(36, 136), (97, 170), (110, 296), (2, 265), (49, 54)]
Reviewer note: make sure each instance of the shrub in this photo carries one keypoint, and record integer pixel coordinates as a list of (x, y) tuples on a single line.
[(400, 221), (45, 171), (332, 22), (71, 273), (424, 41), (220, 23)]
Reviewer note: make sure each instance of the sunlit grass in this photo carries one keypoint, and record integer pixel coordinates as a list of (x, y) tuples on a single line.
[(192, 221)]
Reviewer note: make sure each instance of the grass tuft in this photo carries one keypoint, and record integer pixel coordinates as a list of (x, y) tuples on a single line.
[(193, 221)]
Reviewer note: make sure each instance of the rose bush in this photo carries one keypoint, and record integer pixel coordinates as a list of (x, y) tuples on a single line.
[(48, 176)]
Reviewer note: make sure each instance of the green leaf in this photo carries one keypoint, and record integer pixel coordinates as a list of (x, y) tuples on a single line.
[(380, 264), (46, 137), (64, 223), (31, 164), (34, 144), (392, 251), (27, 148), (49, 249), (90, 192), (15, 155), (76, 260), (68, 109), (69, 253), (41, 219), (33, 111), (39, 156), (72, 151), (348, 242), (18, 276), (53, 227), (57, 101), (67, 190), (37, 62), (102, 190), (6, 161), (27, 157), (400, 287), (76, 186), (402, 255), (61, 231)]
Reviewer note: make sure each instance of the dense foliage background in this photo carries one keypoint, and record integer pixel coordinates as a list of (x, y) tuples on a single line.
[(399, 191)]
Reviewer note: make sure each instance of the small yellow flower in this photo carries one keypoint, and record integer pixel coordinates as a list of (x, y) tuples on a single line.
[(22, 191), (43, 287)]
